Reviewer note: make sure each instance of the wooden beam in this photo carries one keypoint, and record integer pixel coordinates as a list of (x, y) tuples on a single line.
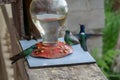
[(3, 72), (17, 11), (6, 1), (30, 28), (19, 70)]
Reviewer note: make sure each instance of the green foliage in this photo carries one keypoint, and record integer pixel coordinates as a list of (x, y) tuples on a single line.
[(114, 76), (110, 38), (112, 26), (105, 62), (108, 5), (111, 31)]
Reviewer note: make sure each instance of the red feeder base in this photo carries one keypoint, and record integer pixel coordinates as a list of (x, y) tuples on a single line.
[(57, 51)]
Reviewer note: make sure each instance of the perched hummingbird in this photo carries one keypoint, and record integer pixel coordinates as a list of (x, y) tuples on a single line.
[(82, 38), (22, 54), (69, 39)]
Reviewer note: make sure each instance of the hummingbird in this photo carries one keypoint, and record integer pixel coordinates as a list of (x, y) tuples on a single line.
[(82, 38), (69, 39), (22, 54)]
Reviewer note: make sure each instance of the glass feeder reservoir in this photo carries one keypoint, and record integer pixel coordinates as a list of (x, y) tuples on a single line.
[(49, 16)]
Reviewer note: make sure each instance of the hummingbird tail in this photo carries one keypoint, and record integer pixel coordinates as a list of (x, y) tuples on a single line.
[(14, 61), (16, 58), (76, 42)]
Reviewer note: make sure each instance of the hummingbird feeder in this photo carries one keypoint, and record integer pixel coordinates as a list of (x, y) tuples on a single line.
[(49, 16)]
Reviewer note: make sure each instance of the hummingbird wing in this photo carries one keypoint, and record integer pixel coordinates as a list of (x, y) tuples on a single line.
[(71, 40), (88, 35), (74, 40), (22, 54)]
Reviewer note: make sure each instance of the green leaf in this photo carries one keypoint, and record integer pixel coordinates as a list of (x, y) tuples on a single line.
[(103, 64)]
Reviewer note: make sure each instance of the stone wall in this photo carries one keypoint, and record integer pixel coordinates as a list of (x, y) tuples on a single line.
[(90, 13)]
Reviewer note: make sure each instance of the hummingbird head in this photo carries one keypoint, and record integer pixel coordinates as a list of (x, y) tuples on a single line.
[(82, 28), (67, 32)]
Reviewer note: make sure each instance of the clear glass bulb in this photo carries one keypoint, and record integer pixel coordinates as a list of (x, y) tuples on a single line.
[(48, 16)]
